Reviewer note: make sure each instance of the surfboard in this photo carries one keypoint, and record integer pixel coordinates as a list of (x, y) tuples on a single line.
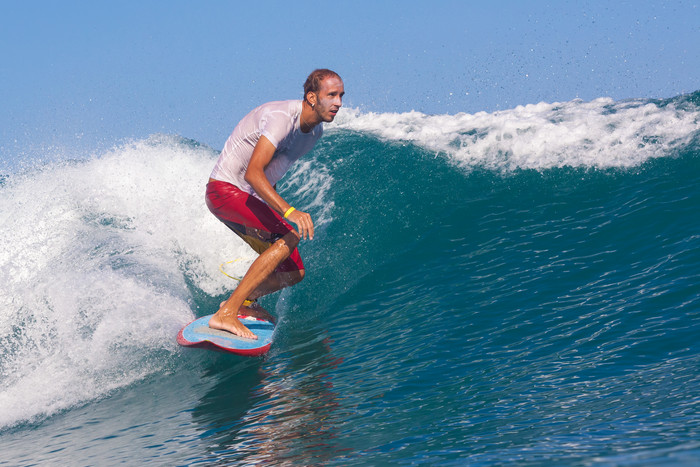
[(199, 334)]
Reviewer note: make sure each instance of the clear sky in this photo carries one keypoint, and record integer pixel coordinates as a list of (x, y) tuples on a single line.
[(81, 76)]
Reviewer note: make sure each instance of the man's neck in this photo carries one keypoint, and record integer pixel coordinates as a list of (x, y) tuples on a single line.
[(308, 119)]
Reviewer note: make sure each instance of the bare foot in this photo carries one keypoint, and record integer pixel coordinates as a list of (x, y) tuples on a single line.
[(254, 311), (230, 324)]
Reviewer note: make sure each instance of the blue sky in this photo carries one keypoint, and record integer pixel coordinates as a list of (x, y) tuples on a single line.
[(80, 76)]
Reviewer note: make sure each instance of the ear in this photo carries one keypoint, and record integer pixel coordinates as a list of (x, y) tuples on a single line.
[(311, 98)]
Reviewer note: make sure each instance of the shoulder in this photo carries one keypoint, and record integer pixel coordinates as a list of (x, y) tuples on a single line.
[(290, 108), (284, 113), (279, 119)]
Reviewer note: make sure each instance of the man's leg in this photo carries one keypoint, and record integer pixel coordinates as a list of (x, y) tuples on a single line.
[(275, 282), (258, 280)]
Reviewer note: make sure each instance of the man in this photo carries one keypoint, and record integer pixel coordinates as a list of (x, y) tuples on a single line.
[(241, 192)]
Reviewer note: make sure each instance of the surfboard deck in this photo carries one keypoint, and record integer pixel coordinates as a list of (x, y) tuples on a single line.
[(198, 334)]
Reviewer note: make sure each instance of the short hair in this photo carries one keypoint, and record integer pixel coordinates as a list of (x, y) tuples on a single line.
[(313, 82)]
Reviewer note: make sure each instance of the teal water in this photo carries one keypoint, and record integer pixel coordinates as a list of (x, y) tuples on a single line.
[(483, 289)]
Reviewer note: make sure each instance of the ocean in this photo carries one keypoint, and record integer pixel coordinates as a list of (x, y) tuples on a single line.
[(517, 287)]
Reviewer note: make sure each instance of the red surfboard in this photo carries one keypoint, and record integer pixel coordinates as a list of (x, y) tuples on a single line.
[(199, 334)]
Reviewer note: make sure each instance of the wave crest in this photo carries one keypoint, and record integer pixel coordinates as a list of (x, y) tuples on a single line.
[(601, 133)]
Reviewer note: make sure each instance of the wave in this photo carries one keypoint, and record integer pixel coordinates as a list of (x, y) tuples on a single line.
[(91, 255), (599, 134), (104, 259)]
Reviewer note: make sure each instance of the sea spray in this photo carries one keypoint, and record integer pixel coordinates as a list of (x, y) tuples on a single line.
[(95, 261), (600, 133)]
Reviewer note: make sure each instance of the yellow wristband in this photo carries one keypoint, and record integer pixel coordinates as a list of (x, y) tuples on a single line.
[(289, 211)]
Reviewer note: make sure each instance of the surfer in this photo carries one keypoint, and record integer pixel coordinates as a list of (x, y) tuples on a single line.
[(242, 193)]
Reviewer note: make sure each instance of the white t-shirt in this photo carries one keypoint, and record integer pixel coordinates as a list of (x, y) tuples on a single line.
[(280, 123)]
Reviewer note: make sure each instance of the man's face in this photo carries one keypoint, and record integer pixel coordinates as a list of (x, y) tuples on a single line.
[(329, 98)]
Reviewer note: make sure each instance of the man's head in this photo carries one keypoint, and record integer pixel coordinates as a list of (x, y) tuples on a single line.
[(313, 82), (323, 91)]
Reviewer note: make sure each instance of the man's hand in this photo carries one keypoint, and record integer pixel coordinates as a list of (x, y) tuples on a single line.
[(305, 225)]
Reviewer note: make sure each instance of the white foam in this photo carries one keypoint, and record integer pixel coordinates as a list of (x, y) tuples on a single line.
[(94, 258), (601, 133), (310, 182)]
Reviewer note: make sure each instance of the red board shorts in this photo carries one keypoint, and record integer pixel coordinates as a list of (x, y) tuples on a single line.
[(251, 219)]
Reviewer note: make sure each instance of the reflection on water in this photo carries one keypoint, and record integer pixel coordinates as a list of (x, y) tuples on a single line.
[(273, 409)]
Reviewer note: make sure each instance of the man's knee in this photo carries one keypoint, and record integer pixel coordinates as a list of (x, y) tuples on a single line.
[(290, 278), (294, 277), (290, 240), (298, 276)]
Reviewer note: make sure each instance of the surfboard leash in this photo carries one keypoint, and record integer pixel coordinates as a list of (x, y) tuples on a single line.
[(221, 268)]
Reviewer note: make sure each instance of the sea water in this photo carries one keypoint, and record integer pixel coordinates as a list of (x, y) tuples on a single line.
[(517, 286)]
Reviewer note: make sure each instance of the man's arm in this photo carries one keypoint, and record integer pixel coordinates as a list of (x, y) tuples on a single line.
[(255, 176)]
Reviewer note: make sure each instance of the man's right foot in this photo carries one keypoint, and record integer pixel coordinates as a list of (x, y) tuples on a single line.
[(253, 309), (256, 311)]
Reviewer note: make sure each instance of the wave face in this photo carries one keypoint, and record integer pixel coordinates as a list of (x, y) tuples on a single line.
[(519, 285)]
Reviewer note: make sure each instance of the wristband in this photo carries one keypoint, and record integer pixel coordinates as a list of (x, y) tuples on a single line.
[(289, 211)]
